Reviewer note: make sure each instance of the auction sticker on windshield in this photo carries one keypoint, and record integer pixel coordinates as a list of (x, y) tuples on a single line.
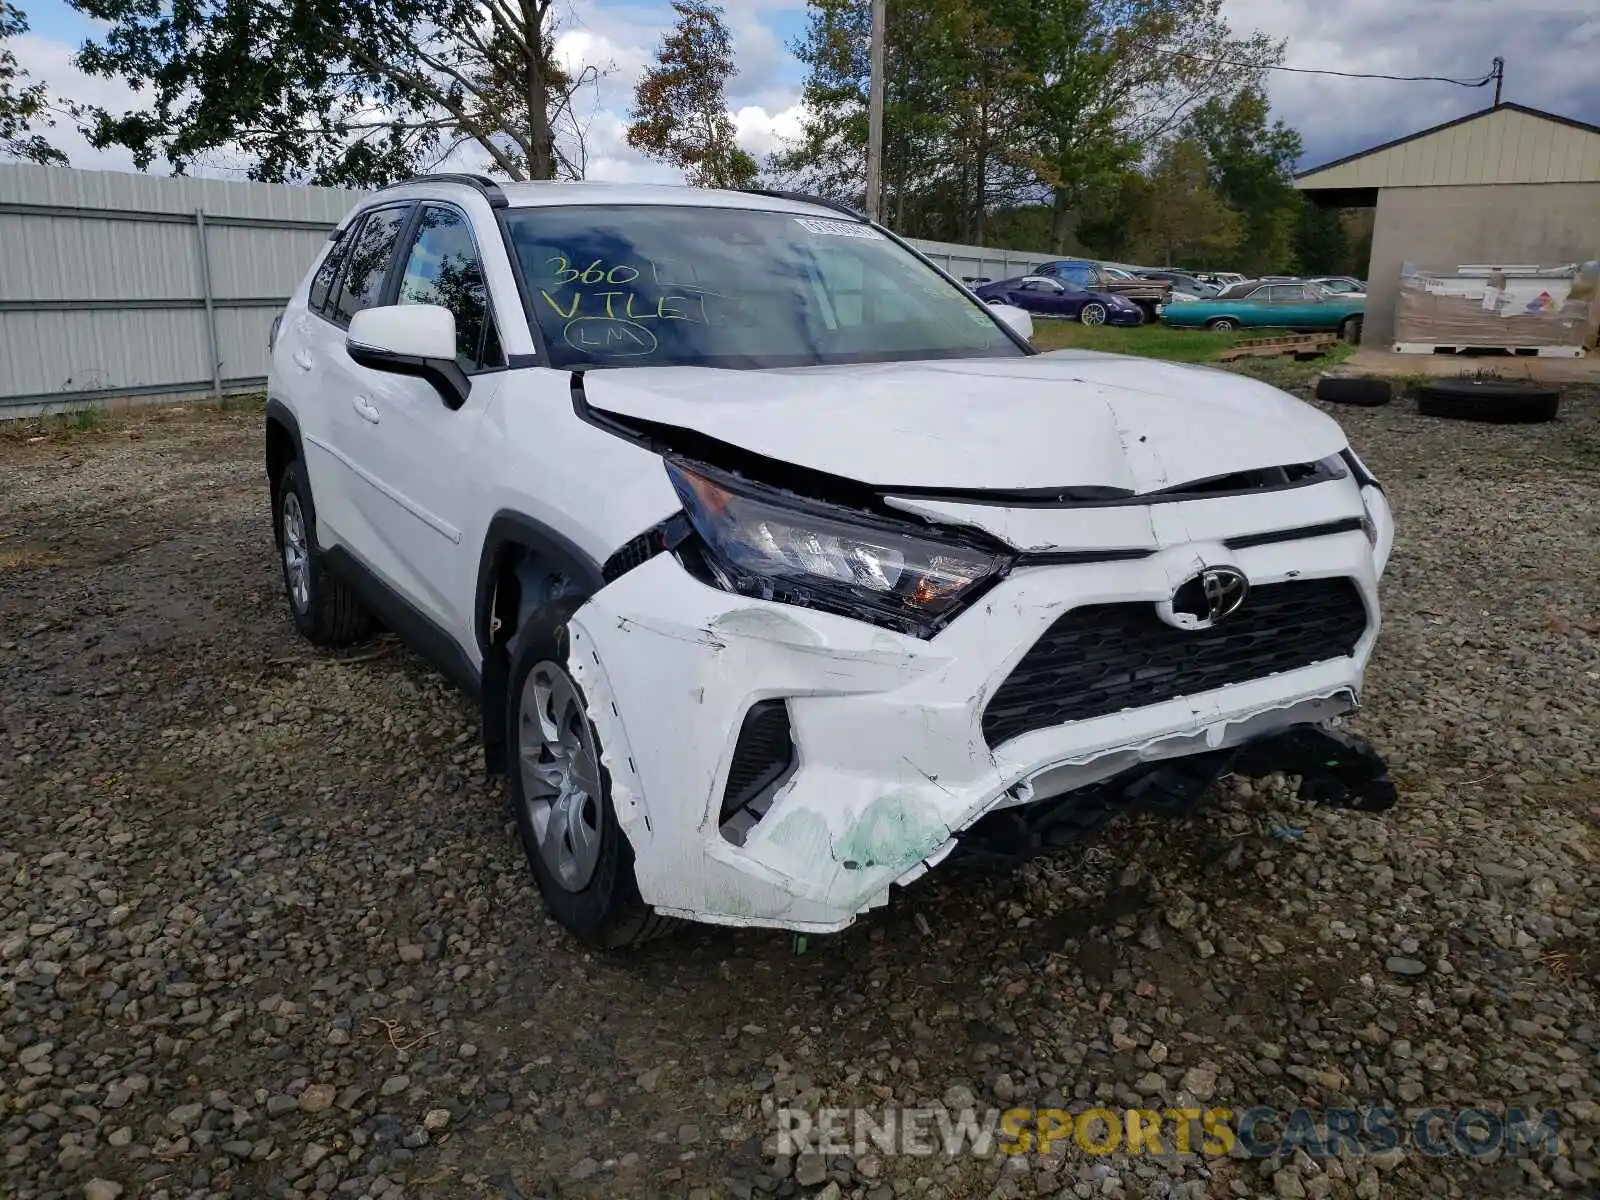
[(838, 228)]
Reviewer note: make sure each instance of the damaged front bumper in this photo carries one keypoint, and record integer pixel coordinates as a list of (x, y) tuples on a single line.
[(889, 770)]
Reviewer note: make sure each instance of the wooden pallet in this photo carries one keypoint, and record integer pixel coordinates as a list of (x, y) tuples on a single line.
[(1301, 345), (1509, 351)]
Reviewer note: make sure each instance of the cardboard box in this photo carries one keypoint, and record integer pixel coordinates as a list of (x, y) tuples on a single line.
[(1504, 307)]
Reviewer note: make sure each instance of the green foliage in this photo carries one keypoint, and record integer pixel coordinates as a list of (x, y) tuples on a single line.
[(24, 106), (680, 111), (1321, 243), (1178, 217), (337, 93), (1252, 166), (1005, 104)]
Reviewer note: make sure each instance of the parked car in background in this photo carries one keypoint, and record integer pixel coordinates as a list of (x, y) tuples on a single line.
[(1148, 294), (1219, 278), (1340, 285), (1298, 306), (1184, 286), (1047, 297)]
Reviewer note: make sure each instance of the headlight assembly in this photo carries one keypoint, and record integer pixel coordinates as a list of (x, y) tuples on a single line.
[(771, 545)]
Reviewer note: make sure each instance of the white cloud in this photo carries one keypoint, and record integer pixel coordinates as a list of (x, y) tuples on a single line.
[(50, 62), (761, 132)]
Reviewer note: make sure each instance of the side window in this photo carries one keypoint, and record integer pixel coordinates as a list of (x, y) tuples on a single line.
[(328, 272), (371, 254), (443, 268), (1080, 274)]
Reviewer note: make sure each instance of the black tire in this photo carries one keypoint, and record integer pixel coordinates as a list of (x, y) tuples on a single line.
[(1350, 330), (1366, 393), (607, 911), (1222, 324), (1491, 401), (1097, 309), (327, 611)]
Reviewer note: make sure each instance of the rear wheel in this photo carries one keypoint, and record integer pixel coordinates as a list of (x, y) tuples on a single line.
[(560, 793), (1222, 324), (325, 608), (1093, 313), (1350, 330)]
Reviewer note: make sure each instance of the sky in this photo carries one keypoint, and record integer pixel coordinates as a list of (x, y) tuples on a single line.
[(1550, 47)]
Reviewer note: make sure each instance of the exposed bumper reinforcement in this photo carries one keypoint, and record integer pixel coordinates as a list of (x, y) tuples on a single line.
[(1336, 768)]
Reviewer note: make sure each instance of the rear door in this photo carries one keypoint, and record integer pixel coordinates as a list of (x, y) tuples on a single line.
[(418, 459)]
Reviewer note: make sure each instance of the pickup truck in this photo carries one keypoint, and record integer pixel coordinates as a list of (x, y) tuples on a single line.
[(1150, 295)]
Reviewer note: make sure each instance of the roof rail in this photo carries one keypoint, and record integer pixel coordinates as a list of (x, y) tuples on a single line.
[(488, 188), (807, 198)]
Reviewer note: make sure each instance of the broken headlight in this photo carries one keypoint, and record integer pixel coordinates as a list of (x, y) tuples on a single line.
[(775, 546)]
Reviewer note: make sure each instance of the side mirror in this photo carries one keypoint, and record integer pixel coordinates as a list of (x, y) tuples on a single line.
[(1017, 318), (411, 339)]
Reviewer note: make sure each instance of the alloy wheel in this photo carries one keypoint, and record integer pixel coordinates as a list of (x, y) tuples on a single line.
[(560, 765), (296, 553)]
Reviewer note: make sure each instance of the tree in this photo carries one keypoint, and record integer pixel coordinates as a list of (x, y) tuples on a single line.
[(1252, 166), (1321, 244), (680, 112), (950, 114), (1182, 219), (341, 93), (1107, 80), (23, 105)]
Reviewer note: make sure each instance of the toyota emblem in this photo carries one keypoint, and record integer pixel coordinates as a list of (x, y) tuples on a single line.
[(1205, 599)]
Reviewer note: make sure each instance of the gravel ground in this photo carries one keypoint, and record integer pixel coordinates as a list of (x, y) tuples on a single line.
[(266, 931)]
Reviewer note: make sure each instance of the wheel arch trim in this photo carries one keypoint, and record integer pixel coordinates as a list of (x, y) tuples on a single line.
[(509, 529)]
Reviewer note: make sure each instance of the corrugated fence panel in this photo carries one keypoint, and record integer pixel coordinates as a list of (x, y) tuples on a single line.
[(102, 290), (115, 350), (255, 262), (72, 258)]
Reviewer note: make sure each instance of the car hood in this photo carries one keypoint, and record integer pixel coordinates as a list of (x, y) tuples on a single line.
[(1067, 419)]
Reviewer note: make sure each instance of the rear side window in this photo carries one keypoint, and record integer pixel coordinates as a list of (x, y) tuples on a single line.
[(371, 255), (328, 272)]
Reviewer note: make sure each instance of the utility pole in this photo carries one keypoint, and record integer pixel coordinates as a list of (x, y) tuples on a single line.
[(875, 113), (1499, 78)]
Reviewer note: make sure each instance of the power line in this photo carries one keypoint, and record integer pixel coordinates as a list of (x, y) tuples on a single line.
[(1225, 62)]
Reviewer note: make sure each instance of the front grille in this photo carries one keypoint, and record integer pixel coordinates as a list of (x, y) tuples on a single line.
[(1104, 658)]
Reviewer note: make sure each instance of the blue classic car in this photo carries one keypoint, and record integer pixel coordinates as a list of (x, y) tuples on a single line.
[(1297, 306), (1059, 298)]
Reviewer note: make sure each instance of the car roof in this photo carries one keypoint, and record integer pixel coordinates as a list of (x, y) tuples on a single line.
[(554, 193)]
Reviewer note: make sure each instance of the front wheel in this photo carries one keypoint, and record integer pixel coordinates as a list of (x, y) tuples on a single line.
[(560, 794), (1350, 330), (1093, 313), (1222, 324)]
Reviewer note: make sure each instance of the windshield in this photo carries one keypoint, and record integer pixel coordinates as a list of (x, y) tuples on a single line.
[(655, 285)]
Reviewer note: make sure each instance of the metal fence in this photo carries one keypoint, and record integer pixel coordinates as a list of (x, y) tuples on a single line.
[(119, 285)]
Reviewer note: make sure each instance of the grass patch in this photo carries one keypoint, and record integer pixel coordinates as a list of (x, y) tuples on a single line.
[(1148, 341), (1187, 346)]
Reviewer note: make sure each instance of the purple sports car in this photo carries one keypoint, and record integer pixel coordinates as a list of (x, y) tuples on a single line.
[(1046, 297)]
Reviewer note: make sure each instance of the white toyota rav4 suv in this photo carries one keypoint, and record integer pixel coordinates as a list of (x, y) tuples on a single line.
[(783, 568)]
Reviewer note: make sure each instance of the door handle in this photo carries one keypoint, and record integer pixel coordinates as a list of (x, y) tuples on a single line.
[(365, 409), (303, 360)]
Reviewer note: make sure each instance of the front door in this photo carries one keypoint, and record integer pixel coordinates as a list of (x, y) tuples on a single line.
[(421, 484)]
